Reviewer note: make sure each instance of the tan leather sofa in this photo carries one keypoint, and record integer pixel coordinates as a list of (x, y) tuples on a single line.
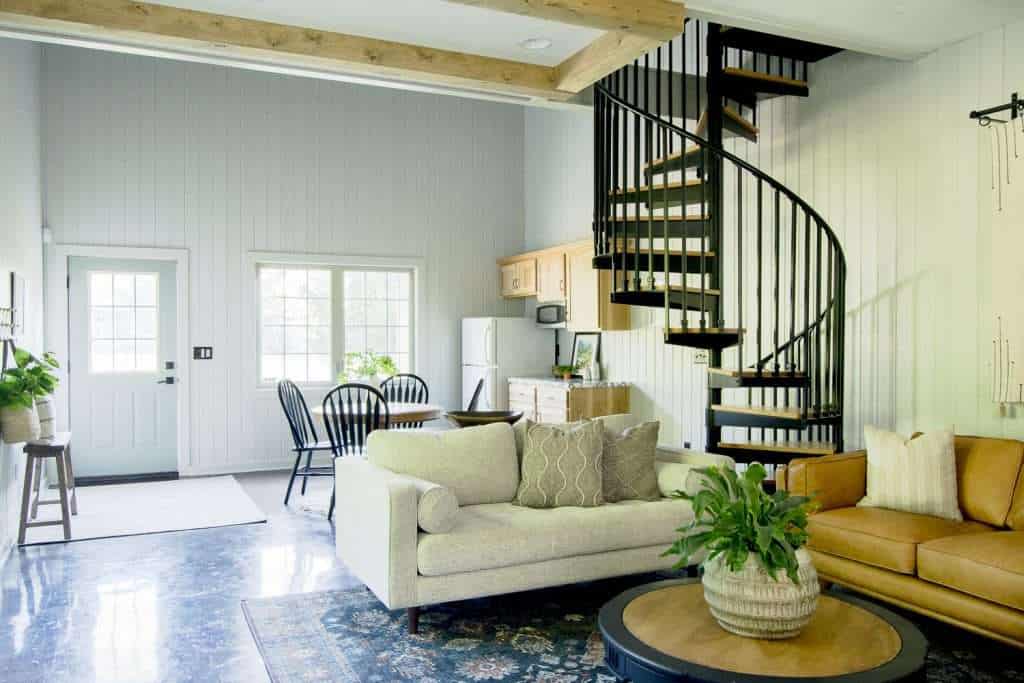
[(969, 573)]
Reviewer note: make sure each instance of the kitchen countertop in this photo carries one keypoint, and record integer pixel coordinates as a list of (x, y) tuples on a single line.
[(571, 383)]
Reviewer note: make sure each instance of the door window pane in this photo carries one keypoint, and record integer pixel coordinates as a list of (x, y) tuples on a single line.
[(295, 323), (123, 322)]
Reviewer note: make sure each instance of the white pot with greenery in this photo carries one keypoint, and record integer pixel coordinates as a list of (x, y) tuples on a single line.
[(758, 579), (366, 367)]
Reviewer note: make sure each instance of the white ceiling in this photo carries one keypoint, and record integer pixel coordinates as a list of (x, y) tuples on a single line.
[(431, 23), (893, 28), (903, 29)]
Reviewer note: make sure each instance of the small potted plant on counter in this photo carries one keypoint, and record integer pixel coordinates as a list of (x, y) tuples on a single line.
[(758, 579), (564, 371)]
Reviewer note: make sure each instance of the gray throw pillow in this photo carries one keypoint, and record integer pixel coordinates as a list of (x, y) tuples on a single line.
[(628, 464), (561, 466)]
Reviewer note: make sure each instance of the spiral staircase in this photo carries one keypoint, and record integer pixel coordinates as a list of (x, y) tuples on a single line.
[(740, 265)]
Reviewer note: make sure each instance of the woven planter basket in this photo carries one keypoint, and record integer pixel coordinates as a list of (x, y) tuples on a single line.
[(19, 424), (750, 603)]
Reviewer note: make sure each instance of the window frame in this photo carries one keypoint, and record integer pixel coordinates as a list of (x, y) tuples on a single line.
[(338, 265)]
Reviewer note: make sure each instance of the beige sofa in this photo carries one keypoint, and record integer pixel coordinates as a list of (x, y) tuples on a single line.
[(493, 546)]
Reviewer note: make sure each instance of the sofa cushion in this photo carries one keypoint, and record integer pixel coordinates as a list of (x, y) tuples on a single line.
[(879, 537), (987, 472), (477, 463), (506, 535), (437, 508), (1015, 518), (988, 565), (627, 465), (562, 466), (913, 475)]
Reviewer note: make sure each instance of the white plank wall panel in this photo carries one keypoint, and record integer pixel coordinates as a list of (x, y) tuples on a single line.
[(224, 162), (21, 250), (885, 152)]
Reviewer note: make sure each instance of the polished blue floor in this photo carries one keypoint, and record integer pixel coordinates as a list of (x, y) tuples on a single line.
[(162, 607)]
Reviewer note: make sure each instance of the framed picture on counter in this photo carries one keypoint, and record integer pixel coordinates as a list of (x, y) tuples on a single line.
[(586, 350)]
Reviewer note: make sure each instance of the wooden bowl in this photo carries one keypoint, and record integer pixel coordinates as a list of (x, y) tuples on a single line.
[(465, 418)]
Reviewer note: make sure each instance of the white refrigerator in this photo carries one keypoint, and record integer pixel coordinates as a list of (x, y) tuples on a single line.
[(494, 349)]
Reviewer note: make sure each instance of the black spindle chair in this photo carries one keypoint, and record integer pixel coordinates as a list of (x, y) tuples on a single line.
[(303, 429), (405, 388), (351, 413)]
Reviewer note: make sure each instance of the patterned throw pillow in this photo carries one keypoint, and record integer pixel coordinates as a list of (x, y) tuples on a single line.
[(918, 475), (628, 464), (561, 466)]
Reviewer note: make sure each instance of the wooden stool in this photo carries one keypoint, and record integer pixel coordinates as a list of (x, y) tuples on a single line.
[(59, 448)]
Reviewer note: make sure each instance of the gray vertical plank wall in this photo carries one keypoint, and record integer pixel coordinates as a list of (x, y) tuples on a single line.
[(885, 152), (150, 153), (21, 196)]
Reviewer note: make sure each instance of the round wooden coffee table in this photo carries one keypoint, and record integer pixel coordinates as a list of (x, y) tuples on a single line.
[(664, 631)]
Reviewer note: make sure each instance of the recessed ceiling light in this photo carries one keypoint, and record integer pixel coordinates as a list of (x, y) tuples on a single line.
[(536, 43)]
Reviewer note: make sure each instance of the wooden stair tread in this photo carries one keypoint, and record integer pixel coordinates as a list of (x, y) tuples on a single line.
[(631, 248), (706, 330), (803, 447), (784, 413), (691, 150), (740, 126), (767, 78), (691, 290), (753, 373), (647, 218), (677, 185)]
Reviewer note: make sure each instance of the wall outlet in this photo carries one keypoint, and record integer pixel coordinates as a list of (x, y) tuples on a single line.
[(700, 358)]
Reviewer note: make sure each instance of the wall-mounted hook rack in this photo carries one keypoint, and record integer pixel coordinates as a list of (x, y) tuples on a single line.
[(1015, 106)]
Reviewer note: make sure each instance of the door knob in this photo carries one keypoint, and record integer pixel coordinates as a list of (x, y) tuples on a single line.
[(165, 380)]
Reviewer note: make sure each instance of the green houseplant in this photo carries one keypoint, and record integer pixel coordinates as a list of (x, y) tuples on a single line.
[(564, 371), (368, 367), (29, 381), (758, 579)]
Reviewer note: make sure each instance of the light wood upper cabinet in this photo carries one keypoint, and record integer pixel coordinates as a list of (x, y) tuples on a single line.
[(589, 306), (565, 273), (551, 278), (519, 278)]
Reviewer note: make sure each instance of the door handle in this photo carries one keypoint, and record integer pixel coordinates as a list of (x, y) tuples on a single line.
[(166, 380)]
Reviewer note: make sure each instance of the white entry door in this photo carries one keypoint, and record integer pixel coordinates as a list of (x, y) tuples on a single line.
[(122, 390)]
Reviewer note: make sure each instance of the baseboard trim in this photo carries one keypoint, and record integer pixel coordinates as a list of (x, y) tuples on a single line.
[(125, 478)]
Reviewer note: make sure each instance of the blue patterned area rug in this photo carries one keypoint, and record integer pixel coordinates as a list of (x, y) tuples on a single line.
[(547, 636)]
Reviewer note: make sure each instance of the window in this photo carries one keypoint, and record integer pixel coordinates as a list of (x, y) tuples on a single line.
[(312, 316), (377, 314), (296, 324), (123, 321)]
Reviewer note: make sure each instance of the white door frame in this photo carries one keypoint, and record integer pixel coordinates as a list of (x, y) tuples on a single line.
[(57, 324)]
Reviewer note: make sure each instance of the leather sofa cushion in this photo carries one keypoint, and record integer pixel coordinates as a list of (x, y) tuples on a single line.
[(987, 473), (834, 481), (506, 535), (988, 565), (1015, 520), (880, 537)]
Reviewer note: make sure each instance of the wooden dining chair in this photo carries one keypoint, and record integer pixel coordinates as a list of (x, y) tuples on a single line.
[(405, 388), (351, 413), (303, 430)]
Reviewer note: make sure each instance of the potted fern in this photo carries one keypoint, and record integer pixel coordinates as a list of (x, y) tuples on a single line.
[(758, 579), (18, 418)]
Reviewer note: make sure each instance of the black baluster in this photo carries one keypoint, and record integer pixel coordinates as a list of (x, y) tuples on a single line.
[(817, 331), (739, 265)]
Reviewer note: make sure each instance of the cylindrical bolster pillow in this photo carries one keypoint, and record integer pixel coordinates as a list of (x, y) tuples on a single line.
[(438, 508), (678, 476)]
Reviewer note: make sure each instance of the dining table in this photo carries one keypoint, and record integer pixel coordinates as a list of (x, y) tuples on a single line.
[(401, 413)]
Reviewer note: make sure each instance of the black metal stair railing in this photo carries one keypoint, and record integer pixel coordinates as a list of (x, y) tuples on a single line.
[(764, 288)]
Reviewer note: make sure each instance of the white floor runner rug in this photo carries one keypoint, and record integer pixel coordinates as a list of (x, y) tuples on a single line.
[(148, 508)]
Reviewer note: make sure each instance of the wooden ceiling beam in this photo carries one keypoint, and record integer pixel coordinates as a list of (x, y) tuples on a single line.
[(153, 26), (605, 55), (658, 19)]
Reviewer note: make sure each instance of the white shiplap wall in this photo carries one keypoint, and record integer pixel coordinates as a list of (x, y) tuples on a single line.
[(144, 152), (21, 247), (885, 151)]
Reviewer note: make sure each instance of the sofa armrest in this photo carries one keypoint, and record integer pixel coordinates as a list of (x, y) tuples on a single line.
[(698, 458), (833, 481), (376, 529)]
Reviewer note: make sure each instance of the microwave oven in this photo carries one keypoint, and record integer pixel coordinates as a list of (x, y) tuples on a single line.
[(551, 315)]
